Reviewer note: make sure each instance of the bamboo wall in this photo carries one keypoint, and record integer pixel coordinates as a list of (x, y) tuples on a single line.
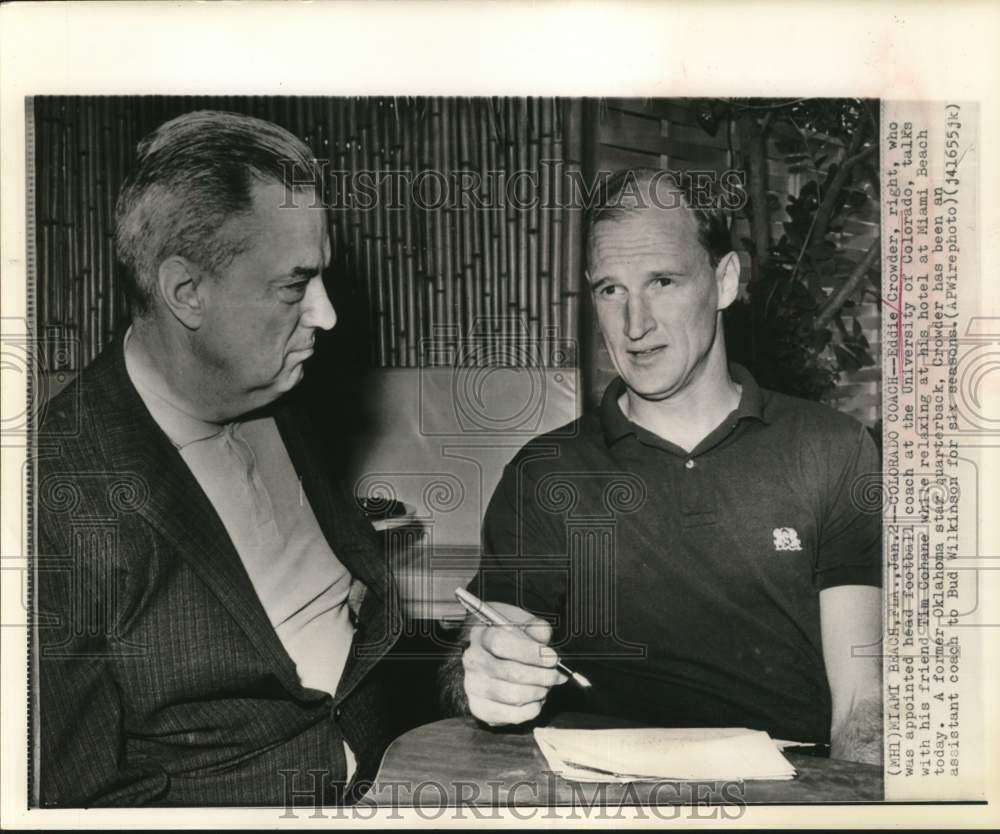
[(500, 286), (492, 281)]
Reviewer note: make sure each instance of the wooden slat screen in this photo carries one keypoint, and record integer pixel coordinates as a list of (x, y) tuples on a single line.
[(492, 277)]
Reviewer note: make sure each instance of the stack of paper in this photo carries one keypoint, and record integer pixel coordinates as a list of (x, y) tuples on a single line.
[(706, 754)]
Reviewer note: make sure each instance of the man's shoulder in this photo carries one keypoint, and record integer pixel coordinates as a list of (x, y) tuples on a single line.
[(88, 413), (808, 419), (815, 439), (579, 442)]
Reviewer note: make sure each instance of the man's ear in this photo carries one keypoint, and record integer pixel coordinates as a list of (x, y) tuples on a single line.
[(178, 281), (727, 280)]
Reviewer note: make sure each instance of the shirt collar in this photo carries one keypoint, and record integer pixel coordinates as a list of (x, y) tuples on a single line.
[(180, 427), (616, 425)]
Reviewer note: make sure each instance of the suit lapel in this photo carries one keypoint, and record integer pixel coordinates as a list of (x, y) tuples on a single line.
[(355, 543), (181, 512), (349, 534)]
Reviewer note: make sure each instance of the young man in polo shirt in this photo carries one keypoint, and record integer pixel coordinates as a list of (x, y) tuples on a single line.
[(694, 547)]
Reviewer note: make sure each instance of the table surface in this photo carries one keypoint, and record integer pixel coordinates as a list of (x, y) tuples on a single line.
[(463, 762)]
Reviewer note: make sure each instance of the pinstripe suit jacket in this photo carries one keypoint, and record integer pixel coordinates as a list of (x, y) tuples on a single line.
[(158, 677)]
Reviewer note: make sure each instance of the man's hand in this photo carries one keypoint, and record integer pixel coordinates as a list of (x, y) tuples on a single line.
[(508, 671)]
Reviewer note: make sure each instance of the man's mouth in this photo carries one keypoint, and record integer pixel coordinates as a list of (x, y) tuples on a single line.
[(646, 353), (302, 353)]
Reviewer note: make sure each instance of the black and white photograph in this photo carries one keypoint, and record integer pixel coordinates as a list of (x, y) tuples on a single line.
[(608, 367), (510, 456)]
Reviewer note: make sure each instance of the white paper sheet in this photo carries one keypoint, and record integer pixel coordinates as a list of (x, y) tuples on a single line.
[(702, 753)]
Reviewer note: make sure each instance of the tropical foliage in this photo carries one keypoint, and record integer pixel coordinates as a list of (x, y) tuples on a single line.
[(797, 327)]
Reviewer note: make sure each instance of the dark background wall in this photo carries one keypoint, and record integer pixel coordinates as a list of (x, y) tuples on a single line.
[(503, 285)]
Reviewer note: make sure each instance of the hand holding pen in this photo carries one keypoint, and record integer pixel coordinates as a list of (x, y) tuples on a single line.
[(509, 667)]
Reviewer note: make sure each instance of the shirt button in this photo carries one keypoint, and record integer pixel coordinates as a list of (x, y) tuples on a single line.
[(689, 464)]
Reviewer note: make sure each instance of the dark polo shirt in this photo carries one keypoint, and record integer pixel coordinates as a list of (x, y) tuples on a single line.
[(686, 585)]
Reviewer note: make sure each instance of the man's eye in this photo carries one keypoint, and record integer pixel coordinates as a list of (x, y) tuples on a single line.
[(609, 291), (664, 281), (297, 290)]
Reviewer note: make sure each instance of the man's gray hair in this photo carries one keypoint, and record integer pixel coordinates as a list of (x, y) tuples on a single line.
[(634, 189), (193, 173)]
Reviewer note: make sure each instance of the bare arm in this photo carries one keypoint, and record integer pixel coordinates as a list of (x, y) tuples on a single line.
[(451, 678), (851, 625)]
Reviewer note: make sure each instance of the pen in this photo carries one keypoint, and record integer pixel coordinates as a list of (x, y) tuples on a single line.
[(486, 613)]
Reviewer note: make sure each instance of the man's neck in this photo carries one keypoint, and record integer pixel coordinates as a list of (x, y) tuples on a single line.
[(689, 417), (174, 369)]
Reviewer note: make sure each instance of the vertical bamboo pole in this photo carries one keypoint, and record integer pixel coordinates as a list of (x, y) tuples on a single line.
[(545, 215), (523, 239), (71, 168), (573, 149), (340, 216), (499, 228), (45, 131), (407, 164), (384, 255), (103, 134), (93, 318), (113, 155), (534, 294), (476, 152), (394, 157), (448, 214), (513, 264), (429, 234), (417, 118), (86, 285), (441, 269), (556, 267), (43, 287), (46, 168), (487, 266), (367, 253), (50, 173), (465, 277)]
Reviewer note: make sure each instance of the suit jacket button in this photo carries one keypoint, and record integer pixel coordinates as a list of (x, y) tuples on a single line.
[(337, 713)]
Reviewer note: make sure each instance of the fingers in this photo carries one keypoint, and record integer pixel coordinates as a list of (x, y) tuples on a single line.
[(481, 663), (498, 715), (527, 624), (512, 644), (509, 671), (504, 692)]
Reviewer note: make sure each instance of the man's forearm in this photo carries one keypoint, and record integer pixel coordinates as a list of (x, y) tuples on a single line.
[(858, 737), (451, 684)]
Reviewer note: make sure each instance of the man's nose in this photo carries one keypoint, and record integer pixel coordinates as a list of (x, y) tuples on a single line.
[(317, 310), (638, 321)]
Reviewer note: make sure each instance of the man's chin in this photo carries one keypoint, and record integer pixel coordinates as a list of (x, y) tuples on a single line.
[(290, 378), (650, 387), (281, 385), (653, 395)]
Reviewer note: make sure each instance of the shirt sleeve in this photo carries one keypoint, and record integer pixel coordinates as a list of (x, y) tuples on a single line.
[(80, 715), (850, 547)]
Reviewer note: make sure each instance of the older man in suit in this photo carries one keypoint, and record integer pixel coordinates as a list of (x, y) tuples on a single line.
[(211, 606)]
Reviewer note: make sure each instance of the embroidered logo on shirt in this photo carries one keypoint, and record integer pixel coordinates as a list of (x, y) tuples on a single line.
[(785, 538)]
